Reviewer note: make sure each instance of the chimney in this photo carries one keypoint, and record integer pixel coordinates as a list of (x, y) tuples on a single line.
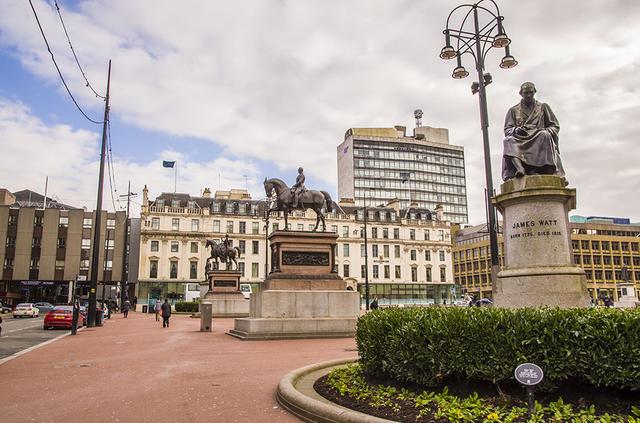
[(206, 193), (440, 212), (394, 203)]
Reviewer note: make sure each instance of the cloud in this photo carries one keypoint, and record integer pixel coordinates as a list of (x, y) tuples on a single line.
[(280, 81)]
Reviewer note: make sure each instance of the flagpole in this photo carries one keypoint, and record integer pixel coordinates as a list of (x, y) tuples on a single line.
[(175, 179)]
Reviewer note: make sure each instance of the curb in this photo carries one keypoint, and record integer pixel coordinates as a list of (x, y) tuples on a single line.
[(292, 397), (35, 347)]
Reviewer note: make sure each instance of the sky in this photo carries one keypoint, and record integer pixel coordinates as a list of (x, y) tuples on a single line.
[(240, 91)]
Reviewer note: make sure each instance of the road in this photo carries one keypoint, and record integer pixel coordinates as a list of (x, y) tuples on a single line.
[(22, 333)]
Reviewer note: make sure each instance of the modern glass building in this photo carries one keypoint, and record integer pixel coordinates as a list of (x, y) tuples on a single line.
[(376, 165)]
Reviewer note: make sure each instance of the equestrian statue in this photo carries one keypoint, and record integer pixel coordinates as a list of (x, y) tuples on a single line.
[(285, 199), (222, 252)]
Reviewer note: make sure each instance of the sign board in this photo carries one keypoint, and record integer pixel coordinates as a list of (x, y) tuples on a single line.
[(81, 278), (529, 374)]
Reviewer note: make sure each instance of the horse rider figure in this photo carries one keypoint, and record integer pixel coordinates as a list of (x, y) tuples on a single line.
[(225, 249), (298, 188)]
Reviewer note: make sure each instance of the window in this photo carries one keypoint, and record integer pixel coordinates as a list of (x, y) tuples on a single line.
[(86, 243), (241, 268), (345, 250), (443, 274), (191, 204), (155, 223), (398, 272), (429, 276), (427, 255), (11, 241), (155, 246), (174, 246), (255, 227), (216, 207), (84, 264), (441, 235), (374, 250), (175, 203), (414, 274), (255, 247), (242, 227), (345, 231), (376, 273), (396, 251), (254, 270), (362, 271), (274, 227), (216, 226), (363, 252), (173, 269), (111, 223), (175, 224), (37, 220), (441, 254), (396, 233), (334, 228), (63, 221), (108, 264), (374, 232), (412, 234), (300, 227), (385, 251), (35, 242), (194, 247), (8, 263), (413, 255), (35, 264), (345, 270), (229, 226), (385, 233), (109, 244), (87, 222), (427, 234), (13, 219), (193, 270), (242, 245), (195, 225), (387, 271), (62, 242)]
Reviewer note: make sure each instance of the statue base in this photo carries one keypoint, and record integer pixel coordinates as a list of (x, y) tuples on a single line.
[(538, 257), (303, 296), (224, 294)]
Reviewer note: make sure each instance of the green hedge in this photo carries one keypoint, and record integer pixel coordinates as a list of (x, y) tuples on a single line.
[(190, 307), (598, 346)]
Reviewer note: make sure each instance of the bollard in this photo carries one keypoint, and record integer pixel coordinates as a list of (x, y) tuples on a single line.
[(206, 317)]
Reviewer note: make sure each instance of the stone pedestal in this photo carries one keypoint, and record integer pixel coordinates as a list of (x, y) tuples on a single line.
[(628, 298), (538, 258), (303, 296), (205, 316), (224, 294)]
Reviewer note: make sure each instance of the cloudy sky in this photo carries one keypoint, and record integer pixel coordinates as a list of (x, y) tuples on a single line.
[(239, 91)]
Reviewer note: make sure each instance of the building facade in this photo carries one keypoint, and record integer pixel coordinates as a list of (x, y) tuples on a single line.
[(376, 165), (44, 250), (600, 247), (409, 250)]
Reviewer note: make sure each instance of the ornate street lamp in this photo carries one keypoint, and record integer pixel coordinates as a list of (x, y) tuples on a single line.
[(476, 41)]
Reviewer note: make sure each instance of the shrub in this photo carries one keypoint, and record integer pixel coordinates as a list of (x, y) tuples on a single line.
[(190, 307), (597, 346)]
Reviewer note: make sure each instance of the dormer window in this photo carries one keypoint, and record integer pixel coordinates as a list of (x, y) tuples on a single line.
[(175, 203), (160, 202)]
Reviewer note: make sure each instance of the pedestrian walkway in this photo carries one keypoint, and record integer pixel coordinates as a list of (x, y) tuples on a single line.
[(134, 370)]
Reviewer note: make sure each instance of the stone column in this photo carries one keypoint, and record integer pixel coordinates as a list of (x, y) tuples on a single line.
[(538, 258)]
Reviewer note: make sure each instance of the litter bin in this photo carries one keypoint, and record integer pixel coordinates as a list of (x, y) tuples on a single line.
[(144, 308), (98, 317)]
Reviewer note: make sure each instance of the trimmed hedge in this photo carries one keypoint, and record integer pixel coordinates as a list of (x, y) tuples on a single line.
[(191, 307), (597, 346)]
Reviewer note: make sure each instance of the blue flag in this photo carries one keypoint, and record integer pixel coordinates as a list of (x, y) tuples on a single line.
[(168, 163)]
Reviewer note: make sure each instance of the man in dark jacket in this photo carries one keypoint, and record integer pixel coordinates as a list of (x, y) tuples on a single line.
[(166, 313)]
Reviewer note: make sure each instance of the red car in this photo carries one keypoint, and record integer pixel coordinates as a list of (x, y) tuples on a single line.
[(61, 317)]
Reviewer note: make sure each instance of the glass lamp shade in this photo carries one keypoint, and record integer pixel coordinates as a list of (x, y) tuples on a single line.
[(508, 62), (460, 72), (501, 40), (447, 53)]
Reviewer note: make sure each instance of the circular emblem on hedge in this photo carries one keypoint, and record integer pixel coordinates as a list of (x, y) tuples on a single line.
[(529, 374)]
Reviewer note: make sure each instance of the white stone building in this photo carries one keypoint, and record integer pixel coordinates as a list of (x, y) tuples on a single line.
[(409, 249)]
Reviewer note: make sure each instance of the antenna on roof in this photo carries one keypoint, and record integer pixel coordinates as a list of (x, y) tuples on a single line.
[(46, 185), (417, 113)]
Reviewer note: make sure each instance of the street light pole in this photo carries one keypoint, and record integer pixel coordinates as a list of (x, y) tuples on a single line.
[(126, 249), (482, 39), (366, 258)]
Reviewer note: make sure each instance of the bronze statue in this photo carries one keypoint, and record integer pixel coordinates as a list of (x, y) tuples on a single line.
[(298, 188), (531, 142), (282, 199), (222, 252)]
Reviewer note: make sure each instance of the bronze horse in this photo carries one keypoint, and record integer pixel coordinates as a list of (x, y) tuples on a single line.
[(310, 199), (222, 252)]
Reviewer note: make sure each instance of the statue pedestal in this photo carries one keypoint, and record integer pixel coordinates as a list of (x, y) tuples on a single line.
[(538, 257), (303, 296), (628, 299), (225, 296)]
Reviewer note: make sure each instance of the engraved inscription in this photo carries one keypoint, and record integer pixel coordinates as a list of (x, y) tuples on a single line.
[(224, 284), (535, 228), (296, 258)]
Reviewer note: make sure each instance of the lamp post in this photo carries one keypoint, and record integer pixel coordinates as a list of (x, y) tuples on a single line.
[(471, 36)]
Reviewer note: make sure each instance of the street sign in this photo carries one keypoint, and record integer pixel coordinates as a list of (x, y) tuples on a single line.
[(529, 374)]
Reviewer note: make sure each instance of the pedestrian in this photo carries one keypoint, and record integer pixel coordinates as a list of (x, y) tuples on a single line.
[(166, 313), (374, 303), (135, 302), (0, 325), (157, 308), (125, 308)]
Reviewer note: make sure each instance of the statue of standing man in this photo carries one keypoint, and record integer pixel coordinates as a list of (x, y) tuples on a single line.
[(531, 142)]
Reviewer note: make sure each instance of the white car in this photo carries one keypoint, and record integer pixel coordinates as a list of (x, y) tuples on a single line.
[(26, 309)]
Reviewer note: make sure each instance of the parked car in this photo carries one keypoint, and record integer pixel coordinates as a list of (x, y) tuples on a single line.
[(5, 309), (26, 309), (484, 302), (44, 307), (62, 317)]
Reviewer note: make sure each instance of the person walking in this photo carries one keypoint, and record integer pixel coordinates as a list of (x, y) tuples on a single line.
[(135, 303), (157, 308), (166, 313), (125, 308), (0, 325), (374, 304)]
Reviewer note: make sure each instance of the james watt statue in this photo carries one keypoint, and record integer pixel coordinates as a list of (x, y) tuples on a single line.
[(531, 142)]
